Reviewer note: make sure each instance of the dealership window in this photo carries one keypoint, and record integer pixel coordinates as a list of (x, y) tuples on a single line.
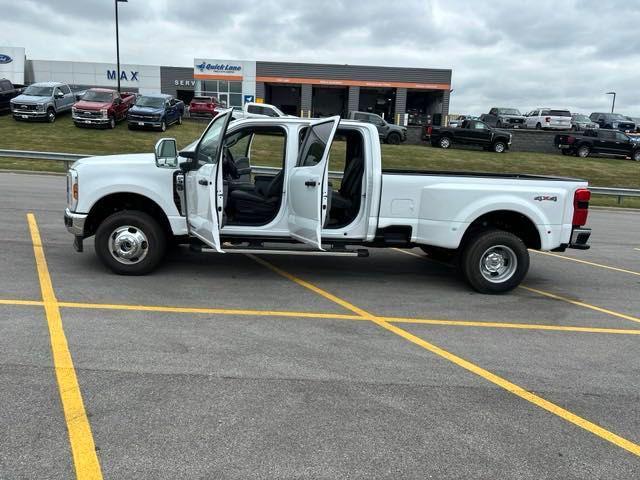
[(227, 92)]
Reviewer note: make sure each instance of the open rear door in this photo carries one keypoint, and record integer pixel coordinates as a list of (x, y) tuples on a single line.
[(204, 187), (308, 183)]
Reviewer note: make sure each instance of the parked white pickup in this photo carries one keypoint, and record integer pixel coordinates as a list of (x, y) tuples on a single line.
[(137, 204), (261, 110)]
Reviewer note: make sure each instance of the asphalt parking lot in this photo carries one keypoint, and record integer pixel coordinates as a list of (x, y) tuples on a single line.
[(233, 366)]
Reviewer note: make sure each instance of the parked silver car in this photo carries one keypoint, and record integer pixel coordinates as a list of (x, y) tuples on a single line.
[(42, 101), (580, 122)]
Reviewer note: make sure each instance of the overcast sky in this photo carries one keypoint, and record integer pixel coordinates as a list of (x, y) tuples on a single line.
[(522, 54)]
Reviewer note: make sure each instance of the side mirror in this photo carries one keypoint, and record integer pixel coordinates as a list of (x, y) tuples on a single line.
[(166, 151), (59, 95)]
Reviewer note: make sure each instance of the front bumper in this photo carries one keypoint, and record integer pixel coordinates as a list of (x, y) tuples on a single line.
[(90, 120), (74, 222), (28, 115), (144, 123)]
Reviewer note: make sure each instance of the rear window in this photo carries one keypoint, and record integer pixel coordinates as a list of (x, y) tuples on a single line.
[(202, 99), (560, 113)]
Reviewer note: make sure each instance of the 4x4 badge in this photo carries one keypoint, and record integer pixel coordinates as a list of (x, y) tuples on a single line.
[(548, 198)]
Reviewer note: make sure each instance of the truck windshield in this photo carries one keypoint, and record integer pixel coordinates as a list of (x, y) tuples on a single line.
[(93, 96), (508, 111), (36, 91), (617, 116), (154, 102)]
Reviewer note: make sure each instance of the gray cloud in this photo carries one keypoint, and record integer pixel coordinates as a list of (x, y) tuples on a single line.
[(506, 53)]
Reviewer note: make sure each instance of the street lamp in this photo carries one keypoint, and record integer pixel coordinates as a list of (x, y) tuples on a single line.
[(118, 44), (613, 104)]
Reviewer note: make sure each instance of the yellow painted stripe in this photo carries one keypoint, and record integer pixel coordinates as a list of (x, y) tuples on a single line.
[(311, 287), (210, 311), (85, 460), (516, 390), (409, 252), (471, 367), (328, 316), (35, 303), (517, 326), (593, 264), (582, 304)]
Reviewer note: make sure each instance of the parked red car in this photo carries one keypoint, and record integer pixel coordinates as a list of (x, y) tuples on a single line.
[(102, 106), (204, 106)]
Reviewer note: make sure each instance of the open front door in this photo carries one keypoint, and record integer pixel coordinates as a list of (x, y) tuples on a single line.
[(203, 183), (308, 183)]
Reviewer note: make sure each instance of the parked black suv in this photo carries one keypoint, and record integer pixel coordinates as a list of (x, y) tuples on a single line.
[(613, 121), (7, 92)]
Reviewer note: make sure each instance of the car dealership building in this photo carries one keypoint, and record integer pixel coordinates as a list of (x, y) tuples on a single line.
[(399, 94)]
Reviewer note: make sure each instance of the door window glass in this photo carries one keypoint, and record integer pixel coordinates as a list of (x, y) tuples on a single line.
[(65, 89), (314, 144), (621, 137), (208, 146)]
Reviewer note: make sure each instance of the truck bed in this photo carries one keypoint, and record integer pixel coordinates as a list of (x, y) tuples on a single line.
[(453, 173)]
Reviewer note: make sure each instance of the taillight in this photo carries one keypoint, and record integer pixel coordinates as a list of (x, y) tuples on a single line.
[(581, 206), (547, 119), (429, 130)]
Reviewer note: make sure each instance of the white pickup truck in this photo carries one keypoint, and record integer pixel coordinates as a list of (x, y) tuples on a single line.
[(254, 109), (136, 205)]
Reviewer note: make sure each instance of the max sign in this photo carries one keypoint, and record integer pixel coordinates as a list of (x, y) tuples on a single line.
[(132, 77)]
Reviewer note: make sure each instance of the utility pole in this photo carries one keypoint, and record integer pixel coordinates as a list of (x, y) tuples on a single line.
[(118, 45)]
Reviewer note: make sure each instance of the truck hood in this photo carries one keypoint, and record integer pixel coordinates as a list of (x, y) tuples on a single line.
[(519, 117), (146, 110), (91, 105), (30, 99), (115, 160)]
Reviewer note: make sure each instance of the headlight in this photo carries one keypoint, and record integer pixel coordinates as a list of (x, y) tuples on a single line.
[(40, 108), (74, 110), (614, 124), (72, 189), (104, 112)]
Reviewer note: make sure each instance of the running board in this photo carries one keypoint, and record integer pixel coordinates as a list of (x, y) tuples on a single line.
[(360, 252)]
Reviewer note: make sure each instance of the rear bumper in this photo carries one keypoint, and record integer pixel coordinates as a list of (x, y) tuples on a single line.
[(74, 222), (580, 238)]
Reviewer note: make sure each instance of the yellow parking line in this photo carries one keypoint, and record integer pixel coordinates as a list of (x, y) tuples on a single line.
[(582, 304), (408, 252), (517, 326), (85, 460), (471, 367), (327, 316), (593, 264), (35, 303), (211, 311)]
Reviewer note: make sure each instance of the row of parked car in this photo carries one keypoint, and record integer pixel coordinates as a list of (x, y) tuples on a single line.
[(558, 119)]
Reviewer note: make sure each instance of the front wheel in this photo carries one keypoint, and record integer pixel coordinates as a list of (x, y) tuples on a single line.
[(538, 126), (445, 142), (179, 119), (163, 126), (499, 146), (112, 122), (393, 139), (636, 156), (583, 151), (130, 242), (494, 261), (51, 115)]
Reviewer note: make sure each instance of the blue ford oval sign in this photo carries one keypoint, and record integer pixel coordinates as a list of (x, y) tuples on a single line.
[(5, 58)]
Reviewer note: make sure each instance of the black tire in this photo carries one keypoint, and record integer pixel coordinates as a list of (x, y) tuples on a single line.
[(180, 120), (51, 115), (152, 254), (635, 156), (131, 127), (479, 254), (163, 126), (112, 122), (499, 146), (583, 151), (393, 138), (445, 142), (538, 126), (566, 152)]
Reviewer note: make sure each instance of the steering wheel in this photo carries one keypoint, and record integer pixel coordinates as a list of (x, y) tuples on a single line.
[(229, 168)]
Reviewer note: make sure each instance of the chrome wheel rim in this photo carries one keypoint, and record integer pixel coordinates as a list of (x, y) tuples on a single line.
[(498, 264), (128, 245), (499, 148), (583, 152), (445, 143), (52, 117)]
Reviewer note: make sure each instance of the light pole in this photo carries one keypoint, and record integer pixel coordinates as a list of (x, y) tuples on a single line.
[(118, 45), (613, 104)]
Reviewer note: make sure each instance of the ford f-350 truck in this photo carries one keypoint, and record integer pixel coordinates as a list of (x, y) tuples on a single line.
[(136, 205), (102, 107)]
